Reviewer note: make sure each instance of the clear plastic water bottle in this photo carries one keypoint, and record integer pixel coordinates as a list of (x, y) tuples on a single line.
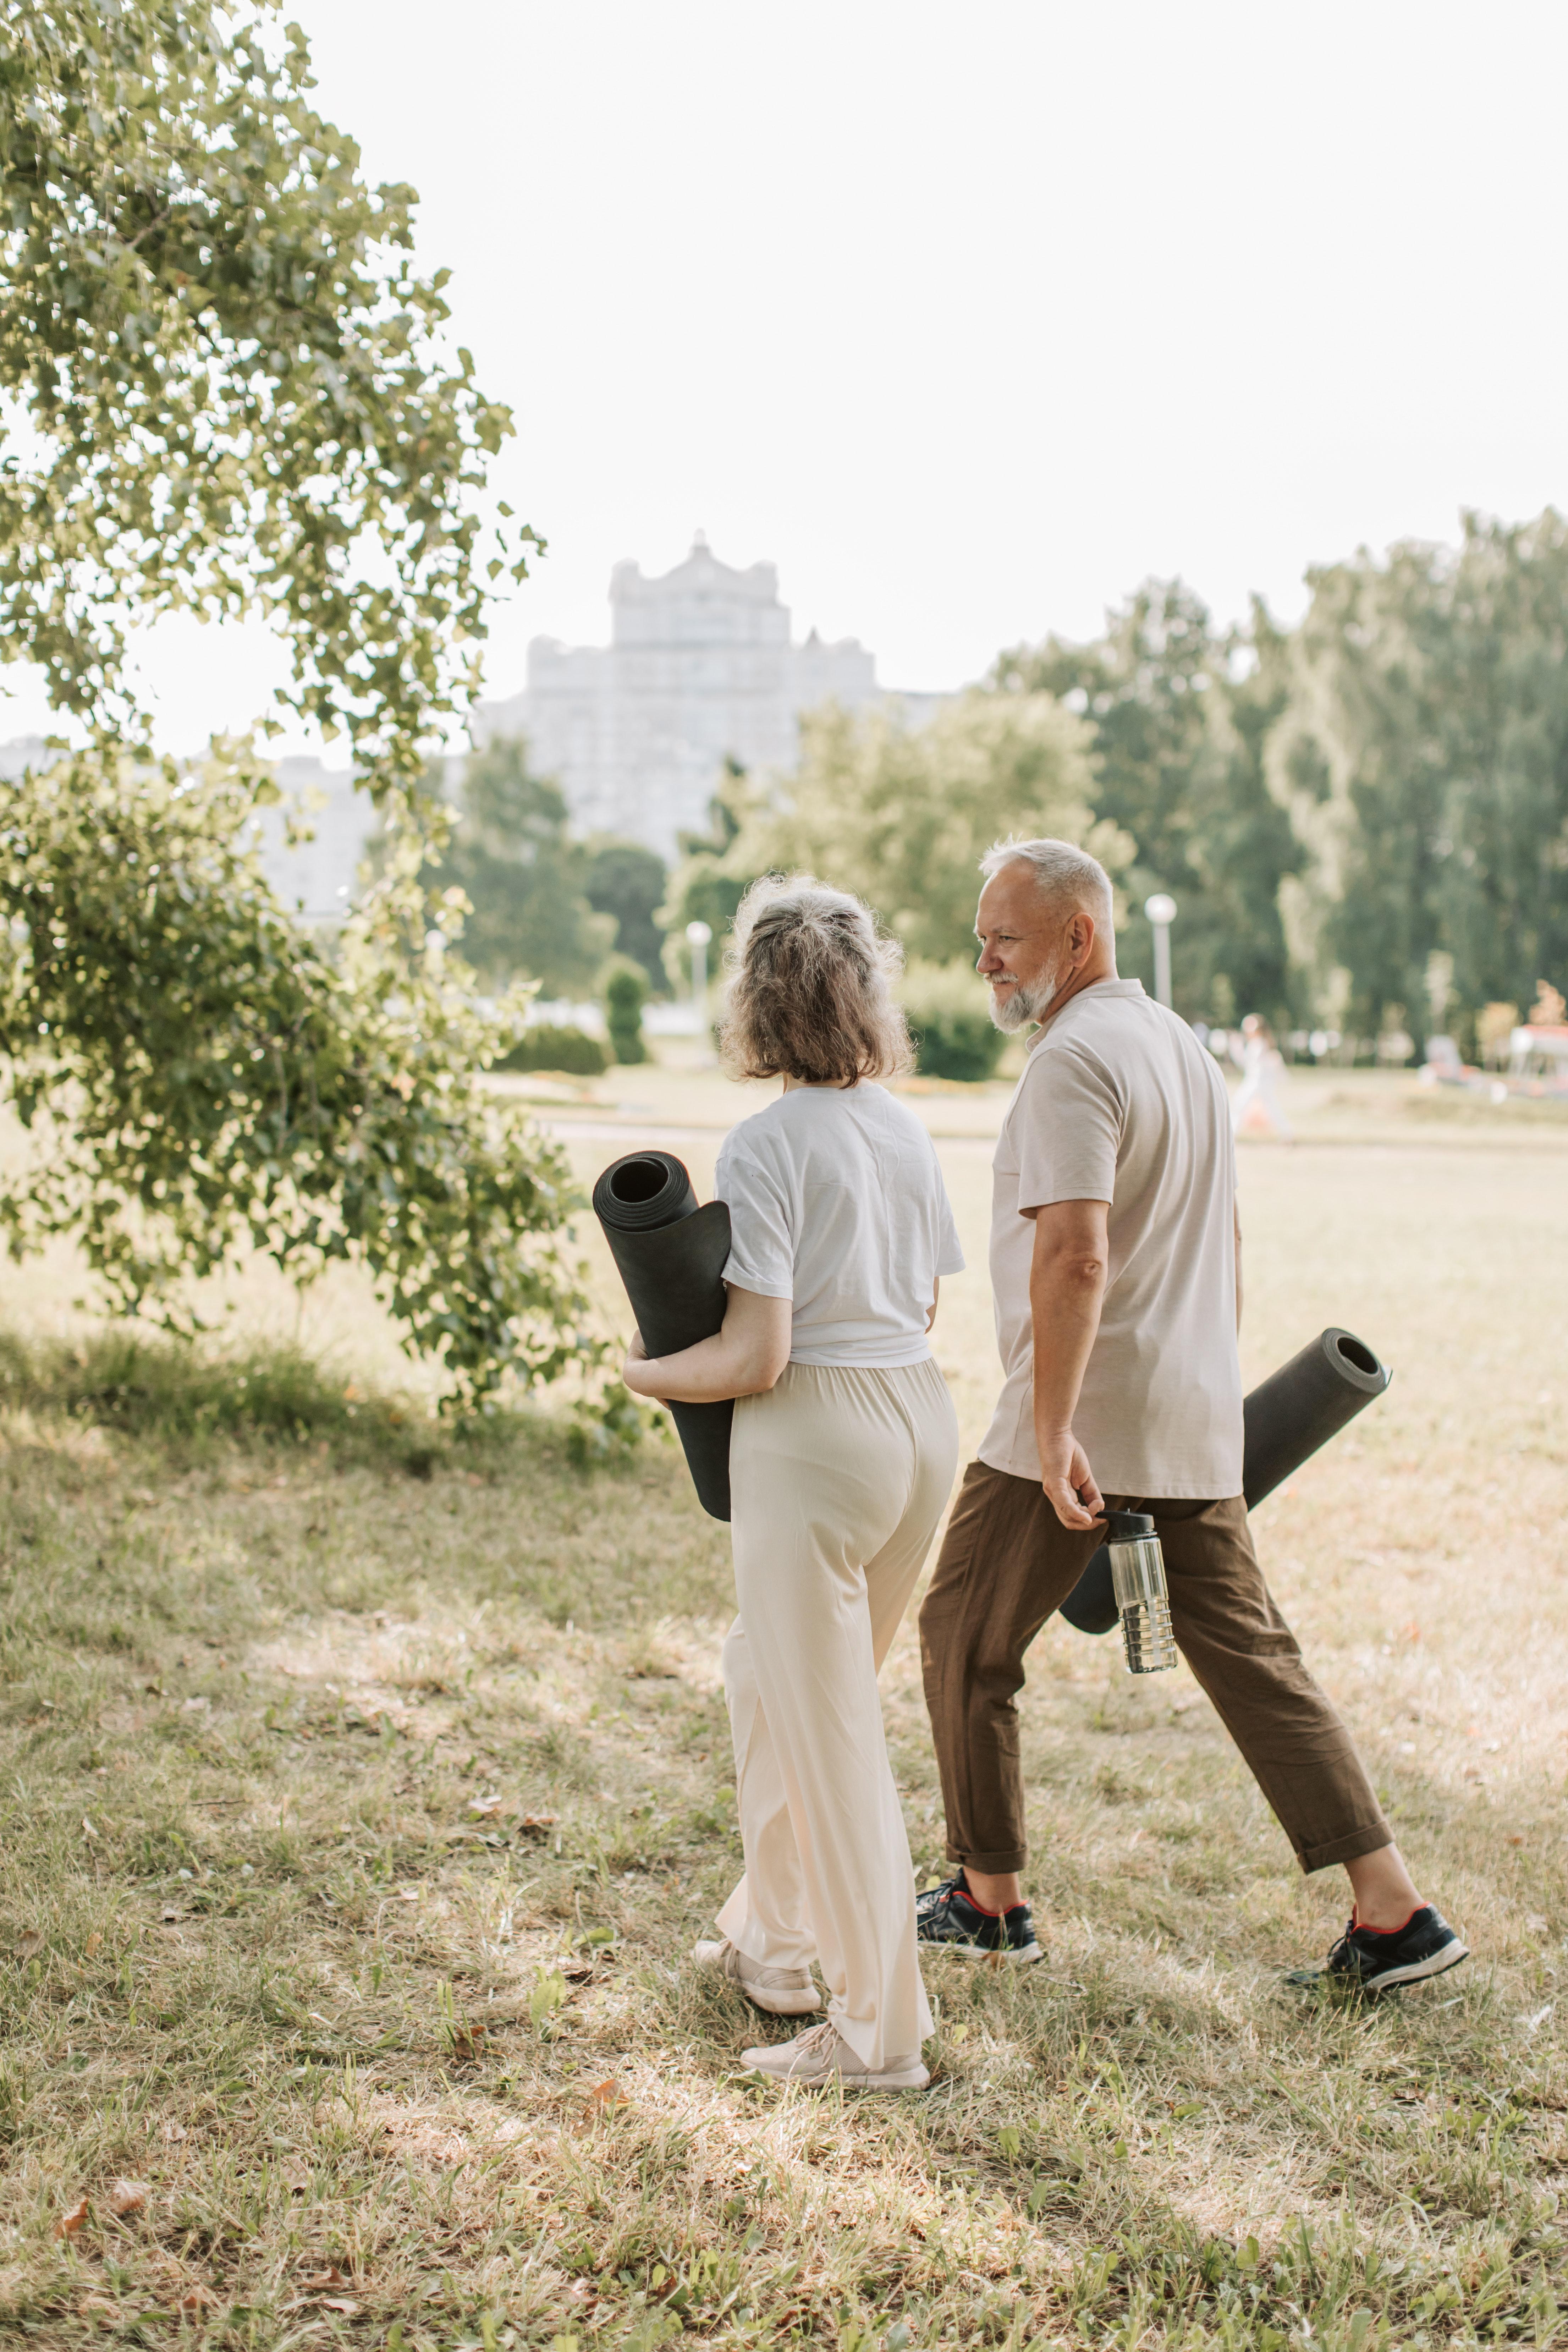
[(1142, 1597)]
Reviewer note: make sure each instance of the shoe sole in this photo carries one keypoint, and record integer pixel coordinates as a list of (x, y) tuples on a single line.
[(1435, 1964), (914, 2082), (1021, 1956), (1417, 1972)]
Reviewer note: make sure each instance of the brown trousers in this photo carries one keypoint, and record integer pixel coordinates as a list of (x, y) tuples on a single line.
[(1007, 1562)]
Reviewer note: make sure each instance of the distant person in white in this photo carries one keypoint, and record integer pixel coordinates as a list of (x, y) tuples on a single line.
[(1261, 1063), (841, 1460)]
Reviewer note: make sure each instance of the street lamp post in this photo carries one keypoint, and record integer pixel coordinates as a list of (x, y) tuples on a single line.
[(697, 938), (1161, 910)]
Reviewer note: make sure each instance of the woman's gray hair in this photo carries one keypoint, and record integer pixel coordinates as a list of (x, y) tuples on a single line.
[(810, 991), (1070, 879)]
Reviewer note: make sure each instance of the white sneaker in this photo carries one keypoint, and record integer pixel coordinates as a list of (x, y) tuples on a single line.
[(818, 2056), (786, 1992)]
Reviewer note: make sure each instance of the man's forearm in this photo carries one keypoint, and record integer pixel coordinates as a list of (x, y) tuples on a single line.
[(1067, 1289)]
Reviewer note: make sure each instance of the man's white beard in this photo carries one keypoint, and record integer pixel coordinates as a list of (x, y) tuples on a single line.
[(1030, 1001)]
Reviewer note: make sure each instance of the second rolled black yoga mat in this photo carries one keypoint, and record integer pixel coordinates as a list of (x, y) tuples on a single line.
[(671, 1254), (1287, 1418)]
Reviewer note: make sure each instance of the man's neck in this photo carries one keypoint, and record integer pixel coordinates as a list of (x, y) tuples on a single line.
[(1097, 968)]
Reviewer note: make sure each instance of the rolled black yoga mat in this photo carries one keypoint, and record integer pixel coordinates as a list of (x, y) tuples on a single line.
[(1287, 1418), (671, 1254)]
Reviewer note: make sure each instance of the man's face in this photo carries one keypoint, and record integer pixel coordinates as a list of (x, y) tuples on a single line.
[(1024, 948)]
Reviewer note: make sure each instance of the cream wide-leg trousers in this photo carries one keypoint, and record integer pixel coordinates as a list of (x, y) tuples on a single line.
[(837, 1477)]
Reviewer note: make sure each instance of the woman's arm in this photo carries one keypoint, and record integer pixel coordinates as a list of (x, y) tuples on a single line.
[(935, 1299), (744, 1358)]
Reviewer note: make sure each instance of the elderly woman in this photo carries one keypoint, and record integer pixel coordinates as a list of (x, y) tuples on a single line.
[(843, 1453)]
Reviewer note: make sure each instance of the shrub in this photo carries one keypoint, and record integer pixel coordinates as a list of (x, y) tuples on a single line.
[(625, 993), (554, 1045), (199, 1079), (950, 1021)]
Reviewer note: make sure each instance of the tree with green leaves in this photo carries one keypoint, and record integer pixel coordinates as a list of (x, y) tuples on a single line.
[(1179, 714), (713, 870), (523, 877), (233, 382), (230, 396), (1424, 761), (902, 815), (628, 883)]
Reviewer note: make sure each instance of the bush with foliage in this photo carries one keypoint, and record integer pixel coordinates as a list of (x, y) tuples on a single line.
[(556, 1046), (950, 1021), (199, 1078), (626, 992)]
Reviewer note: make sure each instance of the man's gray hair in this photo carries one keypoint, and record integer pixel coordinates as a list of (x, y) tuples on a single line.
[(1068, 879)]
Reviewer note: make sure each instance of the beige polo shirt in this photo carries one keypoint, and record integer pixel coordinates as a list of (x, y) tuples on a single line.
[(1119, 1102)]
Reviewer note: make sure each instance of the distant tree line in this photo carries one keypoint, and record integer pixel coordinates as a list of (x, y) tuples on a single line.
[(1363, 820)]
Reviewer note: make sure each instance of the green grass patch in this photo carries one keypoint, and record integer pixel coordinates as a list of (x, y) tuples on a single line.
[(354, 1830)]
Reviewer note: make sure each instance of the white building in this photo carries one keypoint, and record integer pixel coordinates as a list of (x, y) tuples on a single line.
[(701, 667)]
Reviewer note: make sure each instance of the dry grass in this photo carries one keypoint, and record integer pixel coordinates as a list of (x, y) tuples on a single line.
[(358, 1824)]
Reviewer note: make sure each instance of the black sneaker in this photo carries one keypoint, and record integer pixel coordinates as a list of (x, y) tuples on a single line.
[(1370, 1959), (949, 1917)]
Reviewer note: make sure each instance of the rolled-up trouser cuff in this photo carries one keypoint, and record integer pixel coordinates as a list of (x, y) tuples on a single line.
[(1351, 1848), (994, 1866)]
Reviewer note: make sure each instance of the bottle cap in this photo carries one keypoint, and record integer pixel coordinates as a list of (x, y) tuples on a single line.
[(1128, 1527)]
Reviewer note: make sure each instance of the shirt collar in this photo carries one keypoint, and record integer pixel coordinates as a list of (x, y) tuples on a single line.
[(1095, 988)]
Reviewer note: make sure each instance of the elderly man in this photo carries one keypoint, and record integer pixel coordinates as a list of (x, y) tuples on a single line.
[(1116, 1265)]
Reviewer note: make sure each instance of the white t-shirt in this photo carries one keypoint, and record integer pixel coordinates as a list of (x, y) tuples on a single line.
[(1119, 1102), (836, 1203)]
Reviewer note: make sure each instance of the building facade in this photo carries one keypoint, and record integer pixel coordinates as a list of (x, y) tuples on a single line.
[(701, 668)]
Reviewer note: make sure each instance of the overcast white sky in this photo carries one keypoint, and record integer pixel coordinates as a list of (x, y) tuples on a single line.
[(971, 318)]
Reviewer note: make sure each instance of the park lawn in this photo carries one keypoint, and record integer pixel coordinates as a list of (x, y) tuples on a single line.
[(364, 1789)]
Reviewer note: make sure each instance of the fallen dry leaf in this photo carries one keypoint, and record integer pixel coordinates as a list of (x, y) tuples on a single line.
[(169, 1916), (607, 2093), (170, 2129), (486, 1804), (127, 2197), (325, 2279), (341, 2303), (28, 1942), (197, 2298), (94, 1943), (467, 2044), (86, 1828), (537, 1822), (69, 2223)]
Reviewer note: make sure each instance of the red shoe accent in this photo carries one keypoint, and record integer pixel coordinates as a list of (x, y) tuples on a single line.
[(969, 1898), (1387, 1931)]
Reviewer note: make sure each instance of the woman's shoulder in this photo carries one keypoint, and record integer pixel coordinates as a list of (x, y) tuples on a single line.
[(761, 1138)]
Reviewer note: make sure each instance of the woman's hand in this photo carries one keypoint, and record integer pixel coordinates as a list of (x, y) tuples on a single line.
[(743, 1358), (633, 1372)]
